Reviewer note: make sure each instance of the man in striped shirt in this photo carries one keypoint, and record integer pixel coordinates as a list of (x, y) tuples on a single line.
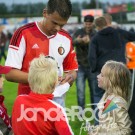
[(45, 37)]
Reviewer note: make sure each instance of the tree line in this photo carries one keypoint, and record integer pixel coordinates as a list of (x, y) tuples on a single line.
[(35, 9)]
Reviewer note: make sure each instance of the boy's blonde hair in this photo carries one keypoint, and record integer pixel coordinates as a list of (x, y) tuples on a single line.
[(118, 76), (43, 75)]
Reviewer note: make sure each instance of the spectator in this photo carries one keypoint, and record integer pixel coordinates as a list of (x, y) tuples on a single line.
[(81, 40), (125, 36)]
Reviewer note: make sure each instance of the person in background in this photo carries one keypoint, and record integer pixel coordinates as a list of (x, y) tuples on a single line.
[(108, 19), (3, 40), (81, 39), (125, 36), (130, 51), (5, 124), (47, 37), (113, 107), (49, 117)]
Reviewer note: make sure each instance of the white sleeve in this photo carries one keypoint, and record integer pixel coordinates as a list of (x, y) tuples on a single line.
[(16, 54)]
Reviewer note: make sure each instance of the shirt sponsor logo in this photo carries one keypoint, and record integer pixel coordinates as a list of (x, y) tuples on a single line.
[(35, 46)]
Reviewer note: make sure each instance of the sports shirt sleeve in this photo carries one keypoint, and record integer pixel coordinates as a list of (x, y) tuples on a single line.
[(16, 50), (70, 62)]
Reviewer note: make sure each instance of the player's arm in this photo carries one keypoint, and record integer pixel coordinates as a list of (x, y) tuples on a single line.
[(15, 75), (15, 56), (70, 66), (69, 77)]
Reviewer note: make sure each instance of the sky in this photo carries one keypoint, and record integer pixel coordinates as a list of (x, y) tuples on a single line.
[(9, 2)]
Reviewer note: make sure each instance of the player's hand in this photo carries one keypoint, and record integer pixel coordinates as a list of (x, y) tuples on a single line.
[(67, 78)]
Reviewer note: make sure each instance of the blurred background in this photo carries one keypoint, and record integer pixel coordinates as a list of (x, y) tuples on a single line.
[(14, 13)]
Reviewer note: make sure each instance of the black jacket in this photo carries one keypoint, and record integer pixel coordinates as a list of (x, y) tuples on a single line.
[(82, 49), (108, 44)]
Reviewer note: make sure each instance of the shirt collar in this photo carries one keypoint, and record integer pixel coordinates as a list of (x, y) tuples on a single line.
[(43, 96)]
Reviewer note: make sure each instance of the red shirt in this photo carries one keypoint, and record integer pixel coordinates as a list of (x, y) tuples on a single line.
[(37, 114), (29, 42), (3, 113)]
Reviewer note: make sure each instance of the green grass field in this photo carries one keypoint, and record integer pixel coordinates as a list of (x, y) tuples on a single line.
[(10, 93)]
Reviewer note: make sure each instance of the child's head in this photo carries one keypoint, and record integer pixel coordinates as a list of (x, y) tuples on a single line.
[(115, 78), (43, 75)]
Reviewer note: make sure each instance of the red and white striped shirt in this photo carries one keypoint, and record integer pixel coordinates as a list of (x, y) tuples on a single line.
[(29, 42)]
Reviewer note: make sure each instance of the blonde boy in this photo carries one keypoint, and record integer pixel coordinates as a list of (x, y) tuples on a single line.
[(36, 113)]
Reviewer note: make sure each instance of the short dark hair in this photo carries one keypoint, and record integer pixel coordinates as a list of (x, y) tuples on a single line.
[(88, 18), (63, 7)]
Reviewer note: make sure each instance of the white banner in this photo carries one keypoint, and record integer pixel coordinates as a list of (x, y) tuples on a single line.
[(131, 16)]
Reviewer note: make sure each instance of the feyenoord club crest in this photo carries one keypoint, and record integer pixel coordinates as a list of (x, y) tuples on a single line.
[(61, 50)]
